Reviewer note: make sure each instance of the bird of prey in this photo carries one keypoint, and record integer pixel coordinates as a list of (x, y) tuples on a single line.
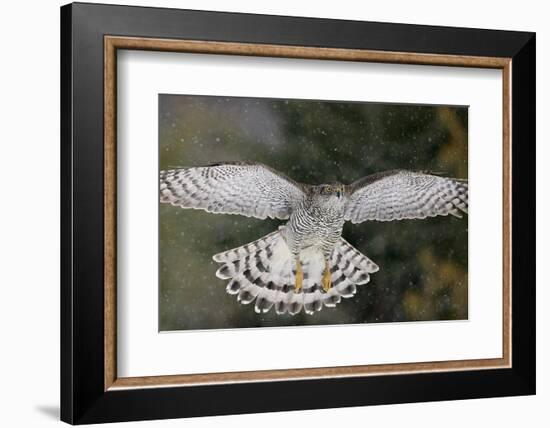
[(306, 263)]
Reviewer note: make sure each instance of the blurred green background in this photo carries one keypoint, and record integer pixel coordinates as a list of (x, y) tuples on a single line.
[(423, 263)]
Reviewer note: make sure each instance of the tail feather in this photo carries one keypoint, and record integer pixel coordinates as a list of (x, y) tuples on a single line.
[(313, 300), (264, 301), (262, 271), (247, 294), (281, 305), (332, 298), (359, 260), (233, 287), (296, 304), (245, 250)]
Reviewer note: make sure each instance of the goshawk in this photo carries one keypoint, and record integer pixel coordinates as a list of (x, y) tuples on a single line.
[(305, 263)]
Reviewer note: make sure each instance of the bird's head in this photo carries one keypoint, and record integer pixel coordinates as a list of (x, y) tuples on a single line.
[(332, 190), (332, 193)]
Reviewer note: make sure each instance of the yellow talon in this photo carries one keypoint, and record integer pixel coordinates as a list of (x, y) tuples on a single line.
[(326, 280), (299, 277)]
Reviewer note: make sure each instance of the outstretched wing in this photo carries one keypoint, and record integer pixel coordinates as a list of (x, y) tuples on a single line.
[(252, 190), (400, 194)]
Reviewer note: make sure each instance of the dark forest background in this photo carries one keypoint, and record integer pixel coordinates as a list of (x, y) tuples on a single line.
[(423, 263)]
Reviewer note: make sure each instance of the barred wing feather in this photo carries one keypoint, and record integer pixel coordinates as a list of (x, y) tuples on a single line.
[(400, 194), (252, 190)]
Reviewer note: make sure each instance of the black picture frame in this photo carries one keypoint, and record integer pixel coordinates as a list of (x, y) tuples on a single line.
[(83, 396)]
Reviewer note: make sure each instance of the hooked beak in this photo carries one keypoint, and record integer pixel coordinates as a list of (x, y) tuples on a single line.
[(339, 193)]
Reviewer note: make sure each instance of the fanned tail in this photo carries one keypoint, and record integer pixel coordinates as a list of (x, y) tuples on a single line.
[(262, 271)]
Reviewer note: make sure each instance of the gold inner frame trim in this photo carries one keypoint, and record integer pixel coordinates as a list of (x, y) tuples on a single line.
[(113, 43)]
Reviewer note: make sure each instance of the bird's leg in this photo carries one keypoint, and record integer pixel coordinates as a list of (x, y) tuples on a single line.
[(299, 276), (326, 280)]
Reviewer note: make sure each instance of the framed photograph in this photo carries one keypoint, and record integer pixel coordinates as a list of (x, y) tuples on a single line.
[(274, 213)]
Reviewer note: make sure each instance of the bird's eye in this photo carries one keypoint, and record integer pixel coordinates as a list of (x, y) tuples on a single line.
[(328, 189)]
